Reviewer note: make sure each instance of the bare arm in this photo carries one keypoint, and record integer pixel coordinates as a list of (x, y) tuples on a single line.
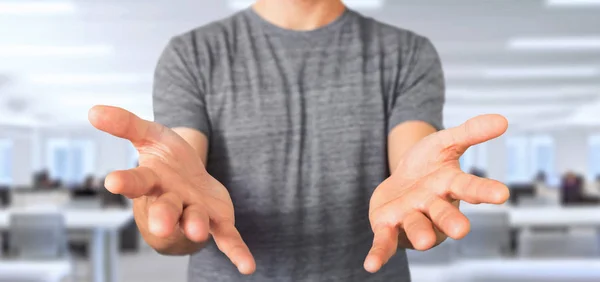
[(400, 140), (177, 244), (419, 198)]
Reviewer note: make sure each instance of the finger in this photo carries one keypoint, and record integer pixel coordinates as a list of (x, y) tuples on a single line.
[(124, 124), (476, 190), (448, 219), (419, 231), (474, 131), (230, 242), (195, 223), (164, 215), (385, 244), (132, 183)]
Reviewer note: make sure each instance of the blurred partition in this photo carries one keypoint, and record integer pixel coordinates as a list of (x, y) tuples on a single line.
[(442, 254), (558, 244), (23, 198), (489, 236)]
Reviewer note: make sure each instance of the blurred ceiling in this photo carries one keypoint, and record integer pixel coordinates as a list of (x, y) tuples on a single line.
[(531, 60)]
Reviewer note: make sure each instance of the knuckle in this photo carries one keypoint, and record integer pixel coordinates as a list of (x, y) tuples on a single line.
[(415, 224), (172, 201), (445, 215), (427, 203)]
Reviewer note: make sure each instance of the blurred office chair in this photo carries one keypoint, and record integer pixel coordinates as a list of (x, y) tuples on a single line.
[(110, 200), (5, 196), (79, 239), (5, 201), (130, 236), (519, 190), (489, 236), (37, 237), (572, 189), (442, 254), (86, 196), (558, 244)]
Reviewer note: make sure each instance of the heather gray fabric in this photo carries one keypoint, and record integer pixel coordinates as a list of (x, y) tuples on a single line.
[(297, 123)]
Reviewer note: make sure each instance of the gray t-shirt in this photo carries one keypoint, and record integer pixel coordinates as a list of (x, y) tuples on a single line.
[(298, 125)]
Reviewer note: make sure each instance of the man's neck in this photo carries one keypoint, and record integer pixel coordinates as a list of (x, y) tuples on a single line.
[(299, 15)]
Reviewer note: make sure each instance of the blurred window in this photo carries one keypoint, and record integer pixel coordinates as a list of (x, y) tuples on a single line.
[(594, 156), (6, 160), (70, 161), (517, 160), (542, 158), (466, 161), (526, 156), (474, 157), (134, 157)]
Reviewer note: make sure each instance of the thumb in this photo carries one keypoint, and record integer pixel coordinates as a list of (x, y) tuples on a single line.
[(474, 131), (124, 124)]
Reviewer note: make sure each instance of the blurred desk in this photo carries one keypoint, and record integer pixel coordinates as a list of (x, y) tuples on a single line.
[(103, 224), (23, 197), (550, 216), (509, 270), (34, 271), (555, 217)]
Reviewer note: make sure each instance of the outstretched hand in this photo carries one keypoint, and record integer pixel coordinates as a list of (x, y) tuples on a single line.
[(180, 198), (420, 195)]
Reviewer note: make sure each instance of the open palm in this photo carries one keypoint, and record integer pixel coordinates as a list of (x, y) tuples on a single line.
[(420, 196), (182, 198)]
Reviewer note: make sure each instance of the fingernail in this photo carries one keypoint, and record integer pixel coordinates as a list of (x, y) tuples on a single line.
[(154, 227), (244, 268), (371, 265)]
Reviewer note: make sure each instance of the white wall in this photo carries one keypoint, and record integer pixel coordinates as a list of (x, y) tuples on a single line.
[(496, 159), (30, 154), (113, 153), (571, 151), (22, 158)]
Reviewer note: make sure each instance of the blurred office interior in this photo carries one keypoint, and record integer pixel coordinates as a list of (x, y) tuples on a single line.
[(535, 61)]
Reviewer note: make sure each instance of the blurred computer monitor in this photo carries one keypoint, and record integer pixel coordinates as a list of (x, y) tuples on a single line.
[(5, 196), (518, 190)]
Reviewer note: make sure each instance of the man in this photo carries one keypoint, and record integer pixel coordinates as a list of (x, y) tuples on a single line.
[(292, 112)]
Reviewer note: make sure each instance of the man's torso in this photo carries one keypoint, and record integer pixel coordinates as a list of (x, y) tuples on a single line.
[(298, 136)]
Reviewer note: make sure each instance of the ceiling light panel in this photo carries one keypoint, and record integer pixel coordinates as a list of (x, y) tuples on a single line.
[(517, 109), (518, 94), (555, 43), (36, 8), (522, 72), (50, 50), (541, 72), (572, 3), (86, 79)]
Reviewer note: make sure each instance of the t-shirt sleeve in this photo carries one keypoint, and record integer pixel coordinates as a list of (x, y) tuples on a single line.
[(419, 94), (178, 96)]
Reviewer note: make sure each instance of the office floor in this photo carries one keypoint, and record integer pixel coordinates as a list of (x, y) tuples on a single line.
[(144, 266), (147, 266)]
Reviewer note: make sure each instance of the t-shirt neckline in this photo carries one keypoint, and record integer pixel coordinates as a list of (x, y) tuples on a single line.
[(324, 30)]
